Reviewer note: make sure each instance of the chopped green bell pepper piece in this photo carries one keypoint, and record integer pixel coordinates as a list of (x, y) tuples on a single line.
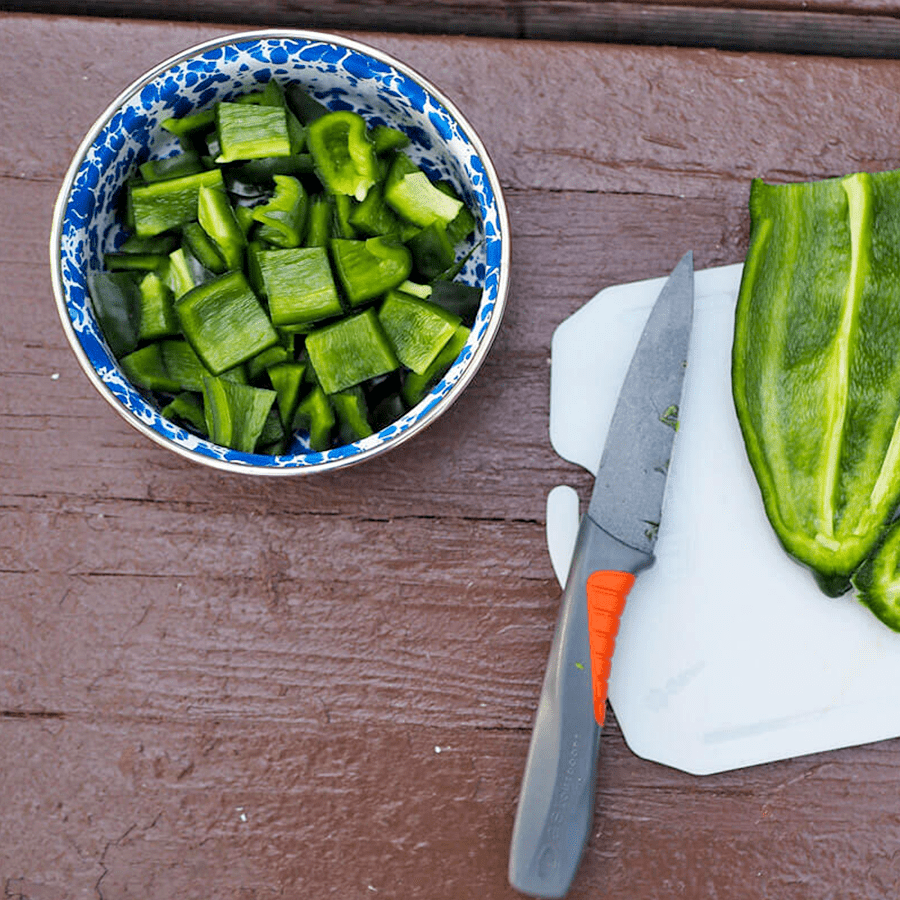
[(432, 251), (350, 351), (225, 322), (303, 105), (352, 415), (315, 416), (248, 131), (318, 223), (459, 298), (254, 272), (167, 365), (182, 364), (369, 268), (158, 317), (384, 139), (415, 386), (134, 262), (287, 380), (411, 194), (253, 180), (158, 244), (283, 218), (244, 217), (164, 205), (217, 219), (343, 155), (200, 245), (187, 407), (146, 368), (188, 129), (388, 410), (342, 206), (235, 413), (117, 304), (422, 291), (186, 163), (417, 329), (272, 440), (373, 217), (299, 285), (184, 272), (464, 224), (262, 362)]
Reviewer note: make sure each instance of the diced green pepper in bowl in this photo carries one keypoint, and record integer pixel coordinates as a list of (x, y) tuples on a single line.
[(290, 270)]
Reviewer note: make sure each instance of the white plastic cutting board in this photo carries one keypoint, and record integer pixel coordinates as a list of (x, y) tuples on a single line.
[(728, 654)]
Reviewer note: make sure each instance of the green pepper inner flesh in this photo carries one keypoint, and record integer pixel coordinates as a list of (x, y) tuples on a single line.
[(816, 371)]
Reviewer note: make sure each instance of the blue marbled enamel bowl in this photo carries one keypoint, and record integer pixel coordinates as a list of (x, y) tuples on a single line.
[(342, 74)]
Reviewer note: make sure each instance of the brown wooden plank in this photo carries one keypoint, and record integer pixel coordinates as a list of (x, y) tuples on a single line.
[(179, 648), (227, 809), (857, 28)]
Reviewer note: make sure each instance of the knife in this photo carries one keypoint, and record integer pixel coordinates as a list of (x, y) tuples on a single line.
[(616, 539)]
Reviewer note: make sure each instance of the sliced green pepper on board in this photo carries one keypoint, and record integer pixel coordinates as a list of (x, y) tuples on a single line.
[(816, 365)]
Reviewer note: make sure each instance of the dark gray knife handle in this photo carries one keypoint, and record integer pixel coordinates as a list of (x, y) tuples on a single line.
[(556, 803)]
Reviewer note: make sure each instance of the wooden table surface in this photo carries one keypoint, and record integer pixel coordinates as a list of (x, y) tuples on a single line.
[(224, 687), (854, 28)]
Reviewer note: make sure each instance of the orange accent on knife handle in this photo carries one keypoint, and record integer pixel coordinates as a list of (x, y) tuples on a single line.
[(606, 594)]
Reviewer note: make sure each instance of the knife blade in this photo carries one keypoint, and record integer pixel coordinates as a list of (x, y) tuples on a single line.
[(616, 539)]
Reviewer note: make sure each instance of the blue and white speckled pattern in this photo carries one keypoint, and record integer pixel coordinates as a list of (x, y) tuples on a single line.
[(343, 75)]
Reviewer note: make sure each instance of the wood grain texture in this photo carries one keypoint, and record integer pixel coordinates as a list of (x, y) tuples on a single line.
[(214, 687), (856, 28)]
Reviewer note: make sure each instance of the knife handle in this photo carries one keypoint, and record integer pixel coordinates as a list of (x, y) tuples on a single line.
[(606, 594), (555, 811)]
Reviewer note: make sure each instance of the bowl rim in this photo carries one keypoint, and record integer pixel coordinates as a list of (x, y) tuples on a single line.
[(479, 352)]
